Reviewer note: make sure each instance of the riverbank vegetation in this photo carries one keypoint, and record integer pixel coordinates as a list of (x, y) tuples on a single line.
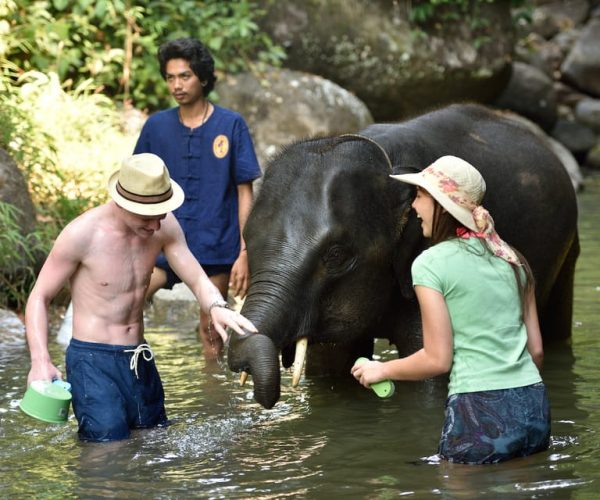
[(70, 70)]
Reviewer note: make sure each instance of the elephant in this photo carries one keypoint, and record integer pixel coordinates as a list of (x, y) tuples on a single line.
[(331, 238)]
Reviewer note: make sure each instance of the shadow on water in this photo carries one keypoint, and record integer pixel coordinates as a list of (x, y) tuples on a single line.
[(326, 438)]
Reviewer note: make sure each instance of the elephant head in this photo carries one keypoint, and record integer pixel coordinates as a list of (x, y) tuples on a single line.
[(321, 239), (331, 237)]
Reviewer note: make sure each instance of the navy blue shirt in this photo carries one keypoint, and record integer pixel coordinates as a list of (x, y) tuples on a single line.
[(208, 162)]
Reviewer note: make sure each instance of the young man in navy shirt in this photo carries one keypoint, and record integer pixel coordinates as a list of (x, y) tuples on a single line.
[(209, 152)]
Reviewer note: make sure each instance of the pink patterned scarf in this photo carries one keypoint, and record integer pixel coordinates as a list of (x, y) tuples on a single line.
[(488, 233)]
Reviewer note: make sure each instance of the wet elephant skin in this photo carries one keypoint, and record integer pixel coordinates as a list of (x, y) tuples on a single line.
[(331, 237)]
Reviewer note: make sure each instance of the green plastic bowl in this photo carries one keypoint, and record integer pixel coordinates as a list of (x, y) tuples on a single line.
[(47, 402)]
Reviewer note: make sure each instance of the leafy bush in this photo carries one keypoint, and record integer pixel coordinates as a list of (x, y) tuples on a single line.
[(19, 255), (67, 142), (62, 63), (114, 42), (424, 11)]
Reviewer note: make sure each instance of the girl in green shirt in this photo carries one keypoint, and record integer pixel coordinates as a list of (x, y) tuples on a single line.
[(479, 321)]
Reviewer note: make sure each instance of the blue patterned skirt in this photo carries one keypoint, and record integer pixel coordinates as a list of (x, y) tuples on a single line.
[(492, 426)]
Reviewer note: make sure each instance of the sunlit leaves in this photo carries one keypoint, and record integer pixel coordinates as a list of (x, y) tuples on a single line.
[(82, 38)]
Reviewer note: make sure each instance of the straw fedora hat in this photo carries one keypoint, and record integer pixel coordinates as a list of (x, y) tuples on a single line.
[(454, 183), (143, 186)]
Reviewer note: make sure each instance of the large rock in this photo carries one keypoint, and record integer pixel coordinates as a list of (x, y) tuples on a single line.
[(180, 305), (12, 333), (551, 17), (17, 266), (530, 93), (567, 99), (545, 55), (175, 305), (282, 105), (575, 136), (593, 158), (587, 111), (13, 190), (581, 68), (395, 67)]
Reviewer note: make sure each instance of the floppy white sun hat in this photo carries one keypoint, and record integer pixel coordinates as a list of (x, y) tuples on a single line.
[(454, 183), (143, 186)]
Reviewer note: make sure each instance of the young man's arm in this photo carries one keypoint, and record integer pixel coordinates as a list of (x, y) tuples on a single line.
[(58, 268), (185, 265)]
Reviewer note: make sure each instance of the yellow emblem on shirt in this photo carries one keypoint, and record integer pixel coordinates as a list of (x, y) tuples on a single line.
[(221, 146)]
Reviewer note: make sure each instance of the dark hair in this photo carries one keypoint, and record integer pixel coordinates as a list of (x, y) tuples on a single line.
[(196, 54), (444, 227)]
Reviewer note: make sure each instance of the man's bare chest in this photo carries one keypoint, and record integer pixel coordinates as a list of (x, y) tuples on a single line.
[(122, 265)]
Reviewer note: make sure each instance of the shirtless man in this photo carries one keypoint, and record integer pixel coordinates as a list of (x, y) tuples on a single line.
[(107, 254)]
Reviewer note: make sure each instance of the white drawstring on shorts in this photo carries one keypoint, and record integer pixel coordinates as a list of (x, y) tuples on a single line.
[(145, 350)]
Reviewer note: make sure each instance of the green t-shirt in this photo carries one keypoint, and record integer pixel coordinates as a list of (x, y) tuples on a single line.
[(489, 336)]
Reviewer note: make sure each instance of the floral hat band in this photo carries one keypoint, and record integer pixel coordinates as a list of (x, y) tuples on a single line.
[(459, 188)]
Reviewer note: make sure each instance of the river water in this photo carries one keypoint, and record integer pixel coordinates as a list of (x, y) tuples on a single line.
[(324, 439)]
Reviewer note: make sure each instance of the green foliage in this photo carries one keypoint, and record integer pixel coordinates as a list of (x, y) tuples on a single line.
[(19, 255), (66, 141), (114, 42), (18, 134), (522, 12), (423, 11), (62, 63)]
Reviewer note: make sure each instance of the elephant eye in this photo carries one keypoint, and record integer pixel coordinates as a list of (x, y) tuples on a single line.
[(337, 259)]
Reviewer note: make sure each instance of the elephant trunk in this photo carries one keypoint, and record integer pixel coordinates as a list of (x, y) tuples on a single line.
[(257, 355)]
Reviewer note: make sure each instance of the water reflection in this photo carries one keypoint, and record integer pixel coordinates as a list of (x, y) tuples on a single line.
[(326, 438)]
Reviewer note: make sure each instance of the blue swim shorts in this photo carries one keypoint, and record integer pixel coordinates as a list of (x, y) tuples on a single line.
[(109, 398), (493, 426)]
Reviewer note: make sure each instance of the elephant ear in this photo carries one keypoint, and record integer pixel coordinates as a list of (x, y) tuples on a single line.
[(409, 246), (408, 236), (399, 170)]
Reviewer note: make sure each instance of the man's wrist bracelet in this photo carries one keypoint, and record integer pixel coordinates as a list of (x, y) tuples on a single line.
[(218, 303)]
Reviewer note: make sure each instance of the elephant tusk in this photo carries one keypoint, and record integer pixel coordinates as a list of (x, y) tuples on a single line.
[(299, 360), (243, 378)]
